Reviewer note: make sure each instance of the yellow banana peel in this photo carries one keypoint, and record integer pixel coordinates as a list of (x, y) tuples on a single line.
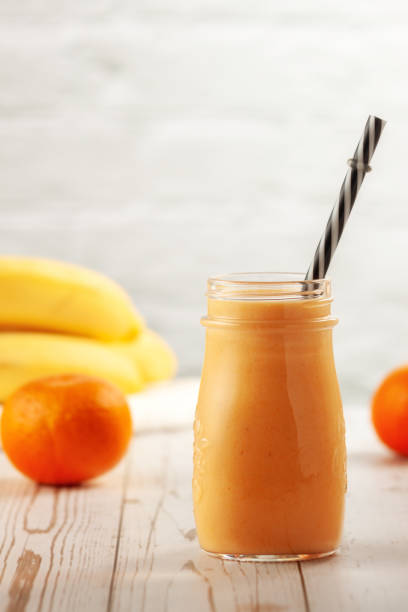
[(151, 355), (25, 356), (46, 295)]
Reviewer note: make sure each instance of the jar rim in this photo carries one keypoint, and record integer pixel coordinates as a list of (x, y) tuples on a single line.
[(267, 286)]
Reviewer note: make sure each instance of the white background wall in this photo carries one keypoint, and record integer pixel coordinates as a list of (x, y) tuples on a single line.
[(160, 141)]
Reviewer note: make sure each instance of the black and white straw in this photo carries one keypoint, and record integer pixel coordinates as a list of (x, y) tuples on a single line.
[(358, 168)]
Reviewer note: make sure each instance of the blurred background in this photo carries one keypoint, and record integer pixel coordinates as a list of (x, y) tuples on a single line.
[(162, 141)]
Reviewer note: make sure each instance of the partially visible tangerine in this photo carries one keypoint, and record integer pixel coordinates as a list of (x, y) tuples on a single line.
[(66, 429), (389, 410)]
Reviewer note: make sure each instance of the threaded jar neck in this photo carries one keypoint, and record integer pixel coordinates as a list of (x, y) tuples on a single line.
[(267, 286), (268, 299)]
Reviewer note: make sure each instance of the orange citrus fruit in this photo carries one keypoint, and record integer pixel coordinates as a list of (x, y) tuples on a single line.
[(389, 410), (66, 429)]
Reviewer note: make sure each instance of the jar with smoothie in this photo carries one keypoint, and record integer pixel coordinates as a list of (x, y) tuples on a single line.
[(269, 452)]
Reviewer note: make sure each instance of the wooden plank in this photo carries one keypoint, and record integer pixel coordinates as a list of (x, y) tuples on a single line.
[(57, 545), (160, 566), (371, 571)]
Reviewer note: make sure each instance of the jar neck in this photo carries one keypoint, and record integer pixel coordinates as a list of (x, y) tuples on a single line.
[(267, 286), (269, 300)]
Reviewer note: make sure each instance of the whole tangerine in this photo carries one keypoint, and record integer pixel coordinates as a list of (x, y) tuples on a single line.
[(66, 429), (389, 410)]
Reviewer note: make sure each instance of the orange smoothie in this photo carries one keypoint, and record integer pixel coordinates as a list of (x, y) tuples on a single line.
[(269, 453)]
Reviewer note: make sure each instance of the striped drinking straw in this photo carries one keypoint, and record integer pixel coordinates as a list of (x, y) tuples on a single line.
[(358, 167)]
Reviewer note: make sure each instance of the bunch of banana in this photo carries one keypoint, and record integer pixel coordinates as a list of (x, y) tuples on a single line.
[(60, 318)]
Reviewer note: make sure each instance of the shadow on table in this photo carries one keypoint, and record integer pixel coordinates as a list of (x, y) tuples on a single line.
[(21, 487), (16, 487)]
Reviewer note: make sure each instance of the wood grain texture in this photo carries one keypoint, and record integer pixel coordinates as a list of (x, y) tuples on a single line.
[(128, 542), (57, 545), (160, 566), (372, 570)]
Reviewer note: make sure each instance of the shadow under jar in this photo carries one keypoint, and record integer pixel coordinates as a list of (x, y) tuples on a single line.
[(269, 447)]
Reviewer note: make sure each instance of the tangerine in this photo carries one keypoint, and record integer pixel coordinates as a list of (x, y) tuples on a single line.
[(389, 410), (66, 429)]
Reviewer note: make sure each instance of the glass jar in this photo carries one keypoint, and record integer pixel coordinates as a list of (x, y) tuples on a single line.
[(269, 446)]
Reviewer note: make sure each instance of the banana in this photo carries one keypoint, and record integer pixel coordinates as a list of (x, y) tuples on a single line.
[(47, 295), (151, 355), (25, 356)]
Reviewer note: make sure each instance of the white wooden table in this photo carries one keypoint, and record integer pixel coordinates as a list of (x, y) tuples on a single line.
[(127, 541)]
